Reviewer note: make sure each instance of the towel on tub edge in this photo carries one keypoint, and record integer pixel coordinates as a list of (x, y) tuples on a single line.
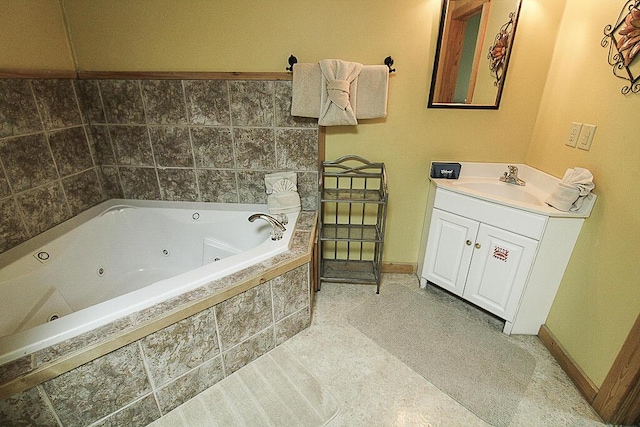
[(570, 193), (367, 93), (282, 192)]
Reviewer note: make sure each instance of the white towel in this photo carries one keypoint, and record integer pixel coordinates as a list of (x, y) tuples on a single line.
[(570, 193), (307, 84), (372, 92), (282, 203), (335, 95), (272, 178), (367, 94), (282, 192)]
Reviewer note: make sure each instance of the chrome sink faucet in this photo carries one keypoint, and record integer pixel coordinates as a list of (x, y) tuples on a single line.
[(512, 176), (276, 226)]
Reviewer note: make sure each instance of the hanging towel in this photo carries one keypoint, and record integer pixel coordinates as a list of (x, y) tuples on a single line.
[(367, 94), (570, 193), (372, 92), (307, 83), (335, 102)]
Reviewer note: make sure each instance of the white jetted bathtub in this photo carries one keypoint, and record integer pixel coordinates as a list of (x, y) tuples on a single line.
[(118, 258)]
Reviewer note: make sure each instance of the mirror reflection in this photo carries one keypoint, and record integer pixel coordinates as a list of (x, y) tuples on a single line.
[(474, 45)]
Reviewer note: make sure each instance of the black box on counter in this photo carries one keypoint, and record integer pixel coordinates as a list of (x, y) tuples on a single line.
[(445, 170)]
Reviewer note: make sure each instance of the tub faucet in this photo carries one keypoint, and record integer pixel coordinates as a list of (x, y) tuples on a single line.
[(276, 226), (512, 176)]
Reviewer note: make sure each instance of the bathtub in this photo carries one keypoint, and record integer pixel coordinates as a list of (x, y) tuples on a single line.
[(118, 258)]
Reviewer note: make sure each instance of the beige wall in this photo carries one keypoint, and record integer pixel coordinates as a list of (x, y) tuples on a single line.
[(34, 36), (597, 300)]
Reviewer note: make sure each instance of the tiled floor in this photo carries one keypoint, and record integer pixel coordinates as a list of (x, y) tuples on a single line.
[(373, 388)]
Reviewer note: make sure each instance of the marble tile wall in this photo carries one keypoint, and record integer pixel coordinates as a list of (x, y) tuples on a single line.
[(139, 382), (199, 140), (48, 170), (66, 145)]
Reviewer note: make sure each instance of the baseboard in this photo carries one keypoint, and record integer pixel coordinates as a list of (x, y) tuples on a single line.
[(401, 268), (568, 365)]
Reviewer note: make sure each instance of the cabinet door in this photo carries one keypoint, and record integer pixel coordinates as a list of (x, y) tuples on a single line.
[(499, 270), (449, 250)]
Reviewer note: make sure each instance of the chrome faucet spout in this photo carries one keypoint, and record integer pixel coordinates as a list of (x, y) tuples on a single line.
[(511, 177), (276, 226)]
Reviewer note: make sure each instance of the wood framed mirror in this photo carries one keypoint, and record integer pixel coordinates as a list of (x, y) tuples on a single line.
[(472, 55)]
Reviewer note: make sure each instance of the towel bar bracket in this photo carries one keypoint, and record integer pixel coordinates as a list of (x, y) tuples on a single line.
[(388, 61), (292, 60)]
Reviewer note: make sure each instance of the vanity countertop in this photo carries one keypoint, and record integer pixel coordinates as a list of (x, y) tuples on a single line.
[(481, 180)]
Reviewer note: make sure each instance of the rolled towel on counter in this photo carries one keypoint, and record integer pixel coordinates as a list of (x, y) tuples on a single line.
[(570, 193), (563, 197)]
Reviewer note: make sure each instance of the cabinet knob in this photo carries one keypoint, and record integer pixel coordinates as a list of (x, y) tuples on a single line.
[(469, 242), (477, 245)]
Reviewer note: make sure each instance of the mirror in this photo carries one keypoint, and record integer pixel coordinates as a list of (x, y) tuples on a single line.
[(472, 55)]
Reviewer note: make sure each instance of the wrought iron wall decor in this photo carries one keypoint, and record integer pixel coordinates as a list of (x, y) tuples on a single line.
[(499, 52), (623, 40)]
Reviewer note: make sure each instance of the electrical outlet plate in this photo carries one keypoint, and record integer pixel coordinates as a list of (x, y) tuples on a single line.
[(586, 136), (574, 132)]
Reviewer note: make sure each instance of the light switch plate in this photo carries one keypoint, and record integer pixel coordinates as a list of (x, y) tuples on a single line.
[(586, 136), (574, 133)]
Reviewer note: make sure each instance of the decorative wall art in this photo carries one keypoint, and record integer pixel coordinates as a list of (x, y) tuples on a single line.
[(623, 41), (498, 53)]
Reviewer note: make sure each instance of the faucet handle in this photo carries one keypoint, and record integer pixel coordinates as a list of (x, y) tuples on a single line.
[(512, 169)]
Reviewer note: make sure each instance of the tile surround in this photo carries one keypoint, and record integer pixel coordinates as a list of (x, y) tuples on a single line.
[(141, 381), (191, 140)]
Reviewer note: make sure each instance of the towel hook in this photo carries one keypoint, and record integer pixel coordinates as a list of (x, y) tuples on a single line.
[(388, 61), (292, 60)]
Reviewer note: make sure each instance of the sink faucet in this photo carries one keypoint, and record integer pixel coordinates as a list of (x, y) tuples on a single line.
[(512, 176), (276, 226)]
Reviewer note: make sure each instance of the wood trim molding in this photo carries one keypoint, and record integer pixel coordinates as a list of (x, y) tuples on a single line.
[(143, 75), (37, 74), (400, 268), (183, 75), (575, 373), (619, 398)]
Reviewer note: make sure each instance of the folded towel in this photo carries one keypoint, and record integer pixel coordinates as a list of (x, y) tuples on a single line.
[(284, 202), (335, 103), (367, 94), (372, 92), (581, 178), (274, 178), (570, 193), (563, 197)]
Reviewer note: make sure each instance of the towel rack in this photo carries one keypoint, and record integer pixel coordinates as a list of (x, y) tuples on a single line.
[(388, 61)]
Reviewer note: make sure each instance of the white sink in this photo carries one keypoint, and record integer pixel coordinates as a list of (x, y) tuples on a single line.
[(517, 193), (482, 180)]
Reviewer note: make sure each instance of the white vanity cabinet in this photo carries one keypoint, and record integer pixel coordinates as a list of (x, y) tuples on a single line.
[(485, 265), (506, 260)]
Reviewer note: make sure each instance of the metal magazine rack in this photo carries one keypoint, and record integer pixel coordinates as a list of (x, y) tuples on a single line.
[(353, 210)]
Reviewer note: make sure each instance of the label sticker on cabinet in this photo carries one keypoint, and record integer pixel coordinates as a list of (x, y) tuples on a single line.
[(500, 253)]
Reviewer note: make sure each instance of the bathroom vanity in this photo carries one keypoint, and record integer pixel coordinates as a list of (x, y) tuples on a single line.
[(499, 245)]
